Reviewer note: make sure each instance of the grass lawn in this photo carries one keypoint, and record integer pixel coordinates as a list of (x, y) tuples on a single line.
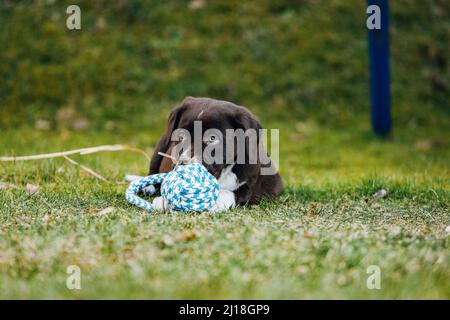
[(316, 241), (301, 67)]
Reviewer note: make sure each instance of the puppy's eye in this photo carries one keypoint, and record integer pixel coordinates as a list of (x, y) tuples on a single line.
[(212, 137)]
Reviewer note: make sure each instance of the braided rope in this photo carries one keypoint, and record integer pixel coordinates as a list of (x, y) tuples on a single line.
[(186, 188)]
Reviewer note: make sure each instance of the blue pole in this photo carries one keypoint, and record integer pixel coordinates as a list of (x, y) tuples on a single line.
[(379, 71)]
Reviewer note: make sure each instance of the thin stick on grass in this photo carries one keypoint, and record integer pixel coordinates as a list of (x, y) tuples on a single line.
[(87, 169), (83, 151)]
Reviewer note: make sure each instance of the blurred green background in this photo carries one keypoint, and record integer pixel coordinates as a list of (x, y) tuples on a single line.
[(285, 60), (300, 66)]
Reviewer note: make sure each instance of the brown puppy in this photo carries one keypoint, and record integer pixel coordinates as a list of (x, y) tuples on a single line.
[(247, 183)]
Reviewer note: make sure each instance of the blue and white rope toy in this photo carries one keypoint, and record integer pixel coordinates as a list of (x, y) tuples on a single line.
[(187, 187)]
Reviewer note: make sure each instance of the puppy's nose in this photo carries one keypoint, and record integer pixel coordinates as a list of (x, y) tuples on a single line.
[(184, 159), (188, 157)]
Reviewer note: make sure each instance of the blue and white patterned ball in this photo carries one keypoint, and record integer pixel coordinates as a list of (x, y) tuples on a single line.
[(186, 188)]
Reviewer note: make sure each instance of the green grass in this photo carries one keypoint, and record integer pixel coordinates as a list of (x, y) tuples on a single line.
[(316, 241), (300, 67)]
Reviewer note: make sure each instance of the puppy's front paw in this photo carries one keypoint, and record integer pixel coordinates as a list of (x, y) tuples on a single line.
[(159, 204), (225, 201)]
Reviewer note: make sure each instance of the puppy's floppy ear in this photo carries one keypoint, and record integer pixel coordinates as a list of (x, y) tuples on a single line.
[(247, 172), (163, 144), (243, 119), (174, 118)]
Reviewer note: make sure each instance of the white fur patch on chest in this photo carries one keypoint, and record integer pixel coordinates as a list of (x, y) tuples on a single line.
[(228, 180)]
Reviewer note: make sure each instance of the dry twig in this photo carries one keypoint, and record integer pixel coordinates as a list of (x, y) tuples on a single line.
[(87, 169), (83, 151)]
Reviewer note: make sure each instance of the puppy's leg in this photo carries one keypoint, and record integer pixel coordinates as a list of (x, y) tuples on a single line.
[(160, 204), (225, 201)]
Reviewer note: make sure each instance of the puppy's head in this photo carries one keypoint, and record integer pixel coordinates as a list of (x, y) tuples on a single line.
[(198, 128)]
